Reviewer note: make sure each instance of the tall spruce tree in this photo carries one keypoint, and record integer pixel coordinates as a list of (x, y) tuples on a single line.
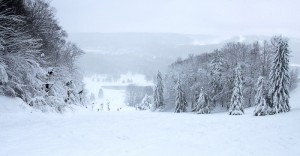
[(279, 77), (237, 99), (158, 93), (261, 108), (180, 103), (215, 72)]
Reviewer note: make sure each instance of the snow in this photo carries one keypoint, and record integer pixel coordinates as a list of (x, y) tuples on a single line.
[(83, 132), (13, 106), (295, 65)]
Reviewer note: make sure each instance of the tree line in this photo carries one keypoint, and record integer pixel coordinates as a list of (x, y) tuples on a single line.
[(237, 76), (37, 63)]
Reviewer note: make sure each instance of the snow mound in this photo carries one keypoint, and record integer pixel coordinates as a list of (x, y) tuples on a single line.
[(14, 105)]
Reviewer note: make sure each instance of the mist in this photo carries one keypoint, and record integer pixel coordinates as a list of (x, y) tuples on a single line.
[(206, 17)]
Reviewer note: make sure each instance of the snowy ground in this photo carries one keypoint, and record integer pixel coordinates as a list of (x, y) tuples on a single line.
[(86, 133)]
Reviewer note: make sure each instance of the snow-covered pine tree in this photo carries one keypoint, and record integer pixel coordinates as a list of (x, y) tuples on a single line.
[(203, 105), (145, 104), (100, 93), (158, 93), (279, 77), (3, 75), (261, 107), (215, 72), (237, 99), (180, 101)]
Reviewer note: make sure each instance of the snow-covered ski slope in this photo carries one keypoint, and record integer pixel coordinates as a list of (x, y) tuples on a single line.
[(136, 133)]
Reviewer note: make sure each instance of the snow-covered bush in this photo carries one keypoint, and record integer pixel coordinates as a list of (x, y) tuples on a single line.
[(145, 104)]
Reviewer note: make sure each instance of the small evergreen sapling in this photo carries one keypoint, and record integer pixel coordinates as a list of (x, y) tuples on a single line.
[(261, 108), (203, 105), (180, 103)]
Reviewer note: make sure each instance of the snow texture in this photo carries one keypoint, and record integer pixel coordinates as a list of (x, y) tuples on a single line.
[(136, 133)]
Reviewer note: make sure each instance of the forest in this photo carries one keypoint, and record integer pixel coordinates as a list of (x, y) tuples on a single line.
[(241, 74), (37, 62), (39, 65)]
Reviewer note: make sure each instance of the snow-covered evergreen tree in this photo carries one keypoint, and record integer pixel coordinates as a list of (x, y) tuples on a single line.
[(237, 99), (215, 73), (180, 101), (100, 93), (279, 77), (203, 105), (261, 107), (3, 75), (158, 93), (145, 104)]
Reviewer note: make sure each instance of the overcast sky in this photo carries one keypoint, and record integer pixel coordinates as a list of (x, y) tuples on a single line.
[(212, 17)]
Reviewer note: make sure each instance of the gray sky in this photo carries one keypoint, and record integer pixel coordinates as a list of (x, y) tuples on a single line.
[(212, 17)]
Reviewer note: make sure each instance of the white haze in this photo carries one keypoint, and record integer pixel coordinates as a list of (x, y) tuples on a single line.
[(212, 17)]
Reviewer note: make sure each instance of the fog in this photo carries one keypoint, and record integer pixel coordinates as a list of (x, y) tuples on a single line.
[(144, 36), (210, 17)]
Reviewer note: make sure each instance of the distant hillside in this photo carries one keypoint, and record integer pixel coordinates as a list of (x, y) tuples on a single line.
[(117, 53)]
